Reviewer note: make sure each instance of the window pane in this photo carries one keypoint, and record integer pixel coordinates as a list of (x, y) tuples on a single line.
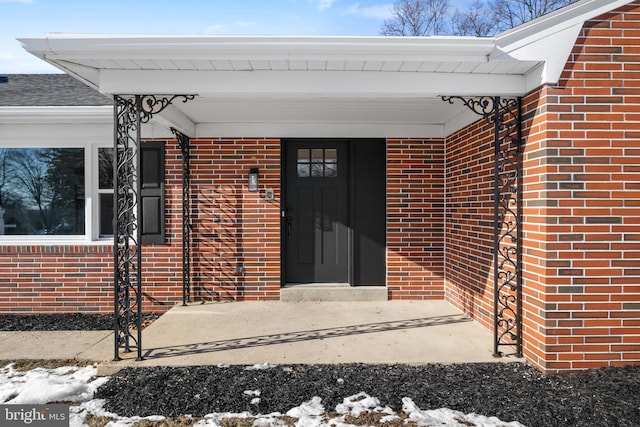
[(303, 155), (45, 194), (316, 170), (330, 170), (303, 163), (331, 155), (317, 155), (106, 214), (331, 163), (105, 166), (303, 170)]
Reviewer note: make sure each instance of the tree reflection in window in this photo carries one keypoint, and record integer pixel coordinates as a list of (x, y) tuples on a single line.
[(42, 191), (105, 191), (317, 163)]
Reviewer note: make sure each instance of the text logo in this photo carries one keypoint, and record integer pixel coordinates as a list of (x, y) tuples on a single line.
[(34, 415)]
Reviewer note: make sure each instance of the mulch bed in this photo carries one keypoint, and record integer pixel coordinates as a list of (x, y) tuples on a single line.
[(56, 322), (63, 322), (512, 392)]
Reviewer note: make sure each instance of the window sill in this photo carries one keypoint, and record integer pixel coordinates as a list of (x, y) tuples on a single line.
[(44, 241)]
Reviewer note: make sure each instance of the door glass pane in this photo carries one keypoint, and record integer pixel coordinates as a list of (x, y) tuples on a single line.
[(331, 155), (317, 162), (330, 170), (304, 170), (317, 157), (303, 155), (331, 163), (304, 167)]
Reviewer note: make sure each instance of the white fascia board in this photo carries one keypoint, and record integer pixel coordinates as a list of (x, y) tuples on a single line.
[(57, 47), (550, 38), (57, 114), (555, 49), (318, 130), (309, 84)]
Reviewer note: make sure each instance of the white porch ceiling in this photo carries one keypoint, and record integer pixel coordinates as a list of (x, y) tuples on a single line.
[(322, 86)]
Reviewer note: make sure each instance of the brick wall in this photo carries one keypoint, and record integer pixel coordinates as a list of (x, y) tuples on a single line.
[(236, 234), (56, 279), (236, 241), (582, 207), (79, 278), (415, 218), (469, 221), (535, 246)]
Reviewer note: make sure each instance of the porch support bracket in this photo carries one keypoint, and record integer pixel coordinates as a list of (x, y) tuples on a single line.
[(130, 112), (505, 114), (184, 144)]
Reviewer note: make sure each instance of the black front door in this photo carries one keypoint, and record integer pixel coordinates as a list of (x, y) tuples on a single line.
[(316, 213)]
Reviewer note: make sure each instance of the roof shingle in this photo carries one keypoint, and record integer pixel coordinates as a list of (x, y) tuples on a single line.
[(39, 90)]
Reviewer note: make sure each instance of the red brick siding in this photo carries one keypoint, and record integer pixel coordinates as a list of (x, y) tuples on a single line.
[(469, 221), (79, 278), (415, 219), (232, 228), (583, 204), (56, 279), (534, 255), (236, 235)]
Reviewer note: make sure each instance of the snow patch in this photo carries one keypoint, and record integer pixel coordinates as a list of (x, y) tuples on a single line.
[(40, 386), (76, 384), (259, 367), (449, 417), (311, 408), (359, 403)]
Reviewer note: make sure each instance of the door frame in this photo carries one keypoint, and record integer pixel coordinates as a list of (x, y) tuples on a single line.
[(283, 204), (351, 211)]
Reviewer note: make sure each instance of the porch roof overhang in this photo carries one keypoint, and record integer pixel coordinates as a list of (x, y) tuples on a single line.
[(322, 86)]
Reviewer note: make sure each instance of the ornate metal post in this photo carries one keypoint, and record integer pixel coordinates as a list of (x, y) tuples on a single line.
[(506, 117), (129, 115), (126, 233), (184, 143)]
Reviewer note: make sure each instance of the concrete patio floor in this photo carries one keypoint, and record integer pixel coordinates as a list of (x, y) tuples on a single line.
[(413, 332)]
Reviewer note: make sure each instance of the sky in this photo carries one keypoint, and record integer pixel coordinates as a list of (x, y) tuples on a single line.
[(36, 18)]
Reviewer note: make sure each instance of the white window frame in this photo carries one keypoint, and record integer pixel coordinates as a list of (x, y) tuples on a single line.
[(62, 127), (97, 191)]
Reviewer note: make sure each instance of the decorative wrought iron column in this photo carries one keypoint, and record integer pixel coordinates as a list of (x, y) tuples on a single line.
[(185, 148), (506, 116), (129, 114)]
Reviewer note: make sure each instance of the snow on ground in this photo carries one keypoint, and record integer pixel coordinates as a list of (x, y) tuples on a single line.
[(78, 384)]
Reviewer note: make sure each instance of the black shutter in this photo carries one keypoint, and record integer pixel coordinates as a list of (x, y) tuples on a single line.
[(152, 196)]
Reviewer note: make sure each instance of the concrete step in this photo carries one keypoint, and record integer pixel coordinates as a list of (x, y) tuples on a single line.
[(300, 293)]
